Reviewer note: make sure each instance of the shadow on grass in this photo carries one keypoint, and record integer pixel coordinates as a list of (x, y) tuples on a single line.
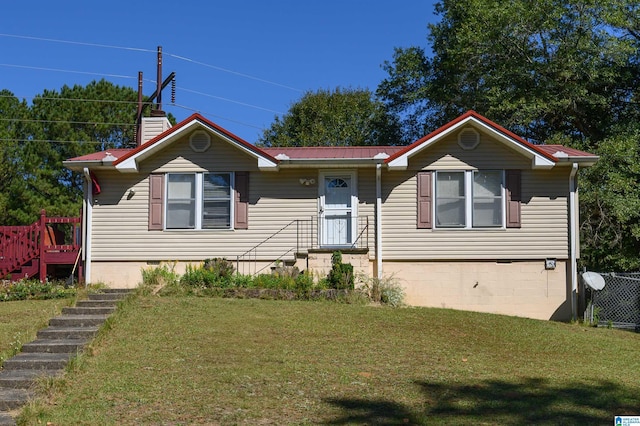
[(532, 401)]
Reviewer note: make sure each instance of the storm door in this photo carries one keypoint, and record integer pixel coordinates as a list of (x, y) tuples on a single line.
[(338, 214)]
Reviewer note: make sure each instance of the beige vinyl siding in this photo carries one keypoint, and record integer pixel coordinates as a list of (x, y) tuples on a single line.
[(367, 208), (153, 126), (276, 199), (220, 157), (544, 210)]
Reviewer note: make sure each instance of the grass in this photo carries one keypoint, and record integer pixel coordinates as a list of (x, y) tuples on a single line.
[(188, 360), (19, 322)]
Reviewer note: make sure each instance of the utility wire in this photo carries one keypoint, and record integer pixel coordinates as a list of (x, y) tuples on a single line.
[(228, 100), (66, 71), (69, 99), (209, 114), (28, 120), (50, 141), (182, 58), (53, 40), (233, 72)]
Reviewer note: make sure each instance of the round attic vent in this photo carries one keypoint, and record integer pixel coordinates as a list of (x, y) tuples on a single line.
[(468, 139), (200, 141)]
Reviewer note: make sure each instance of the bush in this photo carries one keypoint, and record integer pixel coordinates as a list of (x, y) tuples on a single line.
[(273, 281), (304, 285), (341, 274), (159, 276), (384, 290), (220, 267), (35, 290)]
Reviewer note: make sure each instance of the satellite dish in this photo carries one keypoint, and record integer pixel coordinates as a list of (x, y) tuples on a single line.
[(593, 280)]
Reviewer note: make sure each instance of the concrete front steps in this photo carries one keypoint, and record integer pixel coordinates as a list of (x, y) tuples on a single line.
[(54, 347)]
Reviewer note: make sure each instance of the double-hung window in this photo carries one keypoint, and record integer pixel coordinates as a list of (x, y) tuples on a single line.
[(469, 199), (199, 201)]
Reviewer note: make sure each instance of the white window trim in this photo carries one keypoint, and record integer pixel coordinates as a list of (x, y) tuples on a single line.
[(200, 201), (468, 201)]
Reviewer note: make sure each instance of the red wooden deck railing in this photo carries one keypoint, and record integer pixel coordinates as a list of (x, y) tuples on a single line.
[(39, 244)]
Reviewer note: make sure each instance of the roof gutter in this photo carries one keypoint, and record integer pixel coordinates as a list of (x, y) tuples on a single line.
[(573, 236), (87, 206)]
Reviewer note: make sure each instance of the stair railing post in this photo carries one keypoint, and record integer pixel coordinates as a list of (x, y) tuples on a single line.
[(42, 232)]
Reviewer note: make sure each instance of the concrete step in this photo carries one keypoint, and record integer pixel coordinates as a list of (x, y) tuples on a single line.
[(6, 420), (38, 361), (77, 320), (10, 399), (97, 303), (106, 296), (24, 379), (68, 332), (54, 346), (117, 290), (91, 310)]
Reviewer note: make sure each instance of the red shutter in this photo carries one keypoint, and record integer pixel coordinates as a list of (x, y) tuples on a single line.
[(424, 200), (156, 202), (514, 197), (241, 219)]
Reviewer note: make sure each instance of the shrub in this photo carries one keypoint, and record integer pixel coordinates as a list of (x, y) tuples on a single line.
[(204, 277), (304, 285), (341, 274), (220, 267), (273, 281), (385, 290), (35, 290), (160, 276)]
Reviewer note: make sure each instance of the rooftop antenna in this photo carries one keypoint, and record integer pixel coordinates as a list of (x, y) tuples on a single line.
[(156, 96)]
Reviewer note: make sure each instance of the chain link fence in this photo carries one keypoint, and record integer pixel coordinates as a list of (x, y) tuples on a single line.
[(617, 304)]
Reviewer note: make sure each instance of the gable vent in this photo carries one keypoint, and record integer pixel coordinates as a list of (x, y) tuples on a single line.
[(468, 139), (200, 141)]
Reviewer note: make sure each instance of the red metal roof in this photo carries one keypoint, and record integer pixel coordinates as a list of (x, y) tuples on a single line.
[(203, 120), (332, 152), (328, 153), (100, 156), (570, 152), (484, 120)]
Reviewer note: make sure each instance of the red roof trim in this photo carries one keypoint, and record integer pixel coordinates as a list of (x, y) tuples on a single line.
[(183, 123), (463, 117)]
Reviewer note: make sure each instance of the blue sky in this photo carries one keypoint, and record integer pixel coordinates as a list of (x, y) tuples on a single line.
[(239, 63)]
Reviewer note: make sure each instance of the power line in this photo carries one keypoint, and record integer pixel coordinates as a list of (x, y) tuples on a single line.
[(180, 57), (230, 100), (28, 120), (69, 99), (208, 114), (50, 141), (53, 40), (233, 72), (66, 71)]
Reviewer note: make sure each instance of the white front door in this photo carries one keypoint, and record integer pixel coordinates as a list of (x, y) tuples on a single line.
[(338, 203)]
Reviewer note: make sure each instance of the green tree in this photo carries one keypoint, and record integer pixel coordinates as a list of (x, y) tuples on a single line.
[(610, 204), (541, 69), (551, 71), (13, 120), (72, 122), (344, 117)]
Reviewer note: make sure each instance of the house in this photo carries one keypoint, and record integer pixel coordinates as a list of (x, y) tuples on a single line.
[(469, 217)]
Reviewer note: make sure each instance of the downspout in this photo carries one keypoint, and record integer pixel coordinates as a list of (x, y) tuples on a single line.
[(87, 205), (573, 236), (379, 221)]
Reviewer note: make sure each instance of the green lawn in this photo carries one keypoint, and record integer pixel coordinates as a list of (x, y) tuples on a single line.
[(19, 322), (228, 361)]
